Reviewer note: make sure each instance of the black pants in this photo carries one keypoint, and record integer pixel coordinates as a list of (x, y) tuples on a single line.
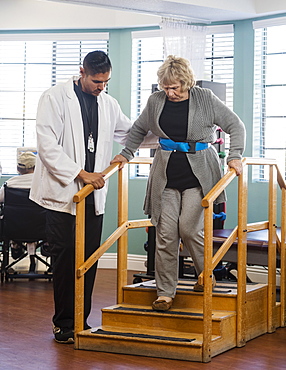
[(61, 237)]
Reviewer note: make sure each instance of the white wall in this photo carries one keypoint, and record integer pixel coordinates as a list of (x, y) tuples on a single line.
[(35, 14), (54, 14)]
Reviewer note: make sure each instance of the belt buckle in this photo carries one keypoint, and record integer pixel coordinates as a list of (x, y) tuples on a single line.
[(192, 147)]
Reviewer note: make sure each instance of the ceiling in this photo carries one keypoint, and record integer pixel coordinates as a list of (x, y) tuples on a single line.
[(205, 11)]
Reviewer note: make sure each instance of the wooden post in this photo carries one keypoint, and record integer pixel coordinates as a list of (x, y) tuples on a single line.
[(79, 280), (283, 259), (242, 258), (207, 281), (123, 240), (272, 209)]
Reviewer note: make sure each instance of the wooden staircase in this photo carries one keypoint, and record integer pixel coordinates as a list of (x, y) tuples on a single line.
[(200, 325), (134, 328)]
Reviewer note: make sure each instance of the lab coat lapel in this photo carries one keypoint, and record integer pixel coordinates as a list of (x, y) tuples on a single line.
[(76, 125), (103, 129)]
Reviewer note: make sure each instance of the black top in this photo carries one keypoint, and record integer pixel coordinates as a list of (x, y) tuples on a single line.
[(174, 122), (89, 112)]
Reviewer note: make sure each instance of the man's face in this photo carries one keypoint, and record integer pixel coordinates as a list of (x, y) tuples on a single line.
[(175, 93), (94, 84)]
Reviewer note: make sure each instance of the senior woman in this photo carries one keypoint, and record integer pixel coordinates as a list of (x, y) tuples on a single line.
[(185, 168)]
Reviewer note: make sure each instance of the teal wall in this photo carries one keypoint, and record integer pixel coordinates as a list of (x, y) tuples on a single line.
[(120, 88), (120, 46), (243, 106)]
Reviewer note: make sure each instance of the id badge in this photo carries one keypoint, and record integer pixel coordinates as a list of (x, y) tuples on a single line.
[(90, 143)]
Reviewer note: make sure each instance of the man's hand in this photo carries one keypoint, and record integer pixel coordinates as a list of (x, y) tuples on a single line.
[(96, 179), (119, 159), (237, 165)]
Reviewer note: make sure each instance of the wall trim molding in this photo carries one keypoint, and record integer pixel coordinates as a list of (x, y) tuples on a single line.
[(135, 262)]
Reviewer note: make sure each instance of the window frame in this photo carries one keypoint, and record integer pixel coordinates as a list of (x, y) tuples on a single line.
[(262, 97), (26, 117)]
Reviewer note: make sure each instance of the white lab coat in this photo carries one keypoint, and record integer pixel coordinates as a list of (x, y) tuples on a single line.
[(60, 140)]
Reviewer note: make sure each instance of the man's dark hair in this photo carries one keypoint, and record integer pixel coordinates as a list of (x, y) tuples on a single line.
[(96, 62)]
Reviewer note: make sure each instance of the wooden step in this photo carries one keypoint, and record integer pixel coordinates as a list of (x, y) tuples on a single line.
[(224, 294), (163, 344), (132, 327), (187, 320), (224, 298)]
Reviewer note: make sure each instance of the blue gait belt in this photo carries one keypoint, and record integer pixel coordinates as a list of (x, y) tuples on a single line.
[(186, 147)]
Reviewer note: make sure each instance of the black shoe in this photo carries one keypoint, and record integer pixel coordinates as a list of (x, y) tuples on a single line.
[(63, 335)]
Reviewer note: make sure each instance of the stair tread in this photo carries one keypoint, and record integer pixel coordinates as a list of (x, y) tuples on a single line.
[(148, 335), (222, 287), (174, 311)]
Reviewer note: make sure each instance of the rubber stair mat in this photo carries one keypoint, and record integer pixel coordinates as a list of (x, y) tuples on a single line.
[(190, 288), (218, 285), (121, 308), (215, 290), (145, 336)]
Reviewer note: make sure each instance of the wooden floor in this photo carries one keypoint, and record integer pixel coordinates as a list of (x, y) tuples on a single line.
[(26, 340)]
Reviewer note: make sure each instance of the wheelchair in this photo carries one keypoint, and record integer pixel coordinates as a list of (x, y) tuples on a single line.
[(23, 224)]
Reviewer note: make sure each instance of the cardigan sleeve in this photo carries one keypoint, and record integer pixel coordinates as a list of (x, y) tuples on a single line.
[(138, 131)]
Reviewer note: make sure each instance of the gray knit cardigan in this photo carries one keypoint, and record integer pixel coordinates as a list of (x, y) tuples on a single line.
[(206, 112)]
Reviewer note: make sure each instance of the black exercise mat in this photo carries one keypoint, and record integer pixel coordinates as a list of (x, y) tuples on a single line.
[(145, 336), (150, 310), (216, 290)]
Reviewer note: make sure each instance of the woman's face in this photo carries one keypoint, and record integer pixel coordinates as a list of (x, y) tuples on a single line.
[(175, 93)]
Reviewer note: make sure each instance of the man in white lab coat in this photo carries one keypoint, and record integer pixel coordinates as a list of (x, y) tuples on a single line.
[(77, 123)]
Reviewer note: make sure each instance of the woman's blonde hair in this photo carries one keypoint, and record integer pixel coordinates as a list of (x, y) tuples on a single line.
[(176, 69)]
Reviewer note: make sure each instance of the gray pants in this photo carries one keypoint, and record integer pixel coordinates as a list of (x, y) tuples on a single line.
[(182, 217)]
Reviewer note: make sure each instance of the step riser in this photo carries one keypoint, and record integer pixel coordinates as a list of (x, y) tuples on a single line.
[(228, 337), (182, 300), (256, 314), (143, 321), (142, 348)]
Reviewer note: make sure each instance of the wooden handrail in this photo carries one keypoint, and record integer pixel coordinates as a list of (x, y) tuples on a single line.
[(220, 186), (119, 235), (108, 172), (102, 249), (239, 233), (224, 248), (87, 189), (265, 161)]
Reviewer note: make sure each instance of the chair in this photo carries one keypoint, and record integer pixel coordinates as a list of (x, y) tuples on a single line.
[(23, 225)]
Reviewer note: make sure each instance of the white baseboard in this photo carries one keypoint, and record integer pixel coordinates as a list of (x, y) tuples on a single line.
[(259, 274), (107, 261), (136, 262)]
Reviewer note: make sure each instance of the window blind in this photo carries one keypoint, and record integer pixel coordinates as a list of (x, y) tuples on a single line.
[(269, 112), (147, 56), (219, 63), (30, 64)]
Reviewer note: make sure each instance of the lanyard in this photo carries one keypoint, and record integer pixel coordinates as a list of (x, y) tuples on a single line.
[(90, 116)]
